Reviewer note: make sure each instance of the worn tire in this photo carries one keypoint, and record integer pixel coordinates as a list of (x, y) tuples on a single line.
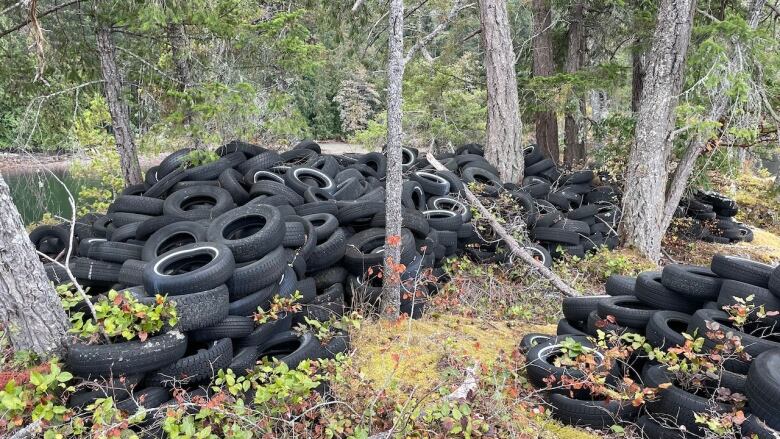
[(163, 274)]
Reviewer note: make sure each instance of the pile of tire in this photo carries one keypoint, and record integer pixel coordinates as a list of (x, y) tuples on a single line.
[(713, 216), (224, 238), (662, 306)]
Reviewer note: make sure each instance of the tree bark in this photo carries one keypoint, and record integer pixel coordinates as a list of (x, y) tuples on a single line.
[(637, 75), (504, 128), (575, 146), (30, 309), (391, 286), (543, 65), (646, 172), (120, 118)]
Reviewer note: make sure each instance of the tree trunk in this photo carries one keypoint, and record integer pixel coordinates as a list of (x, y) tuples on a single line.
[(181, 65), (575, 146), (30, 309), (637, 75), (120, 119), (391, 287), (646, 172), (504, 128), (543, 65)]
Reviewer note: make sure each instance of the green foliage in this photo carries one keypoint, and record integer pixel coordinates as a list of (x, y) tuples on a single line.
[(199, 157), (121, 315), (35, 398), (280, 306)]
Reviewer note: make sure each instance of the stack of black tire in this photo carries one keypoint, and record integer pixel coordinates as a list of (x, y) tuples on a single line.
[(224, 238), (569, 213), (713, 216), (661, 306)]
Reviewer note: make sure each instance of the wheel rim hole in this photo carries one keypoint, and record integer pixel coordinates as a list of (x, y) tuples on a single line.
[(174, 241), (243, 227), (199, 202), (187, 265), (283, 349)]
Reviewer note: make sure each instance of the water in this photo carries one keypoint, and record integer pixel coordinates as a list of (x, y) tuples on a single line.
[(36, 192)]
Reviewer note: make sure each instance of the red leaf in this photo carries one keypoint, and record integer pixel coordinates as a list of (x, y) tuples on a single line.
[(394, 240)]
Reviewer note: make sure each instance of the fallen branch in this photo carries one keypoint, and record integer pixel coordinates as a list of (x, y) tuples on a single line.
[(510, 241)]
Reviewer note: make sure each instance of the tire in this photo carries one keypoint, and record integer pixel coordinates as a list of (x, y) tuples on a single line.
[(137, 204), (264, 187), (211, 171), (265, 332), (356, 212), (294, 234), (117, 252), (129, 357), (244, 361), (230, 180), (90, 269), (753, 427), (171, 237), (308, 289), (565, 327), (172, 162), (530, 340), (201, 309), (411, 219), (540, 254), (257, 275), (763, 387), (431, 183), (125, 233), (196, 368), (360, 254), (665, 328), (619, 285), (43, 233), (596, 323), (697, 283), (650, 291), (229, 327), (131, 272), (294, 179), (678, 404), (443, 220), (250, 232), (544, 374), (324, 225), (548, 234), (743, 270), (593, 414), (651, 429), (774, 282), (327, 253), (539, 167), (291, 348), (761, 296), (161, 187), (186, 203), (213, 266), (577, 309), (339, 343), (532, 155), (148, 398), (627, 311), (571, 225), (261, 162), (246, 306), (249, 150), (329, 207)]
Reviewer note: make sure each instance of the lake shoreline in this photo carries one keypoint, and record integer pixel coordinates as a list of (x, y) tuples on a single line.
[(19, 163)]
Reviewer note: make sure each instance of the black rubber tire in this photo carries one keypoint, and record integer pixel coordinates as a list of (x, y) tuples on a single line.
[(665, 328), (264, 187), (317, 207), (181, 203), (539, 167), (246, 306), (544, 374), (577, 309), (294, 234), (651, 429), (596, 323), (565, 327), (230, 180), (131, 272), (257, 275), (548, 234), (90, 269), (678, 404), (352, 213), (295, 179), (697, 283), (260, 162), (530, 340), (218, 268), (137, 204), (411, 219), (42, 234), (327, 253), (250, 232), (229, 327), (761, 296), (650, 291), (199, 367), (540, 254), (443, 220), (431, 183), (752, 345), (743, 270), (774, 282), (244, 361), (172, 162), (324, 224), (201, 309), (172, 236), (571, 225), (627, 311), (308, 289), (125, 233), (359, 255), (265, 332), (593, 414), (161, 187), (532, 154), (118, 252), (585, 211), (147, 398), (291, 348), (755, 428), (619, 285), (211, 171), (763, 387), (129, 357), (250, 150)]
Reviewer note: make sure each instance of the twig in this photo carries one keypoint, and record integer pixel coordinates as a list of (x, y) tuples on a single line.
[(356, 5), (514, 247), (41, 15)]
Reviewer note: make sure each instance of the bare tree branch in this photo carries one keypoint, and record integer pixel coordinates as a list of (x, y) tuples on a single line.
[(357, 5), (51, 10), (422, 42)]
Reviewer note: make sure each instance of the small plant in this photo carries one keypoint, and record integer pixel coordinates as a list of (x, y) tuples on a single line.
[(36, 398), (122, 315), (745, 311), (199, 157), (324, 331), (279, 307)]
